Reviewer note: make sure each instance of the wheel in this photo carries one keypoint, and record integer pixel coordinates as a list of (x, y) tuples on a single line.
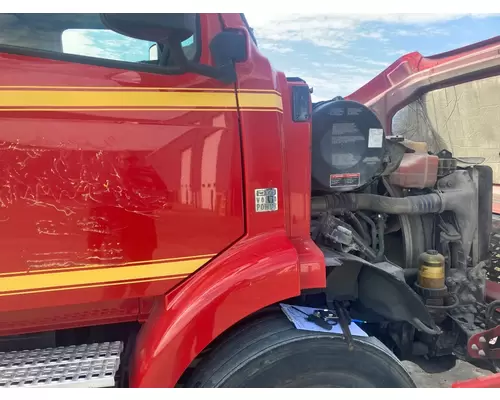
[(269, 352)]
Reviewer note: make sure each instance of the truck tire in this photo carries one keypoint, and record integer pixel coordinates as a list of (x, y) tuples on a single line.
[(270, 352)]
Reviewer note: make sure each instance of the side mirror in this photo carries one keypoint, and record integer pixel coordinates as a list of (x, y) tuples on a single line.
[(227, 48)]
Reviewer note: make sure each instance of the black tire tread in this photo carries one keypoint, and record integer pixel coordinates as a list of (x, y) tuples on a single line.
[(264, 335)]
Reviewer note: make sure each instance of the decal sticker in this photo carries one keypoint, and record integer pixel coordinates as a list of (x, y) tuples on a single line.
[(266, 200), (337, 180), (375, 138)]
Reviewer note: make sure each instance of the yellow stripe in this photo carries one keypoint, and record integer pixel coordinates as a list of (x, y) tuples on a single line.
[(46, 281), (145, 88), (168, 278), (260, 100), (147, 99)]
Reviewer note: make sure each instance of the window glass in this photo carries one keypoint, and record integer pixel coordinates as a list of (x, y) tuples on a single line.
[(78, 34), (103, 43)]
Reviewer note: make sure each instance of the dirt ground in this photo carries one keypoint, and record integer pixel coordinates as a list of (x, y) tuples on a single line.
[(442, 374)]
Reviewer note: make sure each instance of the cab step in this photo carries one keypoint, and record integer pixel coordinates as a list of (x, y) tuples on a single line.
[(87, 365)]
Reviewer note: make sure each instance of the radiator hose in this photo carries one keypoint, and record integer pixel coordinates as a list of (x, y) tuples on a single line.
[(422, 204), (458, 193)]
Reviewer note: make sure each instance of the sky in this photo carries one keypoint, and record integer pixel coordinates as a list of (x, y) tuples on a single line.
[(337, 54), (334, 53)]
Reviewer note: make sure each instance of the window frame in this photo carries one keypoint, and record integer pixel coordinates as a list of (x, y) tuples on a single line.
[(107, 63), (250, 29)]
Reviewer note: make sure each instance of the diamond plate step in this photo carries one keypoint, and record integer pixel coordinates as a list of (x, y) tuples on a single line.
[(87, 365)]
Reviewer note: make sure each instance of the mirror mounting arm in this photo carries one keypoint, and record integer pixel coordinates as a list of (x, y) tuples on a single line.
[(227, 48)]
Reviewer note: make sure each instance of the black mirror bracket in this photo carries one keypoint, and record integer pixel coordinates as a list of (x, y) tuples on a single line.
[(227, 48)]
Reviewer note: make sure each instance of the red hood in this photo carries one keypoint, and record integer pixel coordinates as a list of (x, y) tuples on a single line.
[(413, 74)]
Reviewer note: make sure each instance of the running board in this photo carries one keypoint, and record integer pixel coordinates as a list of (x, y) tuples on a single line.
[(83, 366)]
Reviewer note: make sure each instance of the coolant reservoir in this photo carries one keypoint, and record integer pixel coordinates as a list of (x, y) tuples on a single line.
[(417, 170), (419, 147)]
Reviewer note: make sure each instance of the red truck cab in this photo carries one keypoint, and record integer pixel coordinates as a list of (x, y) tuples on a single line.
[(163, 189), (120, 179)]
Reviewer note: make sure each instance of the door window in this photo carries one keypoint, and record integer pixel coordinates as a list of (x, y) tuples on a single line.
[(82, 35)]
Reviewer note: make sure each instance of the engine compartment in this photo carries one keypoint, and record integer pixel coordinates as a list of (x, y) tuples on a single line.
[(418, 219)]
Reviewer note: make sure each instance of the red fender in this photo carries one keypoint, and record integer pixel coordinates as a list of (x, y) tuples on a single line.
[(251, 275)]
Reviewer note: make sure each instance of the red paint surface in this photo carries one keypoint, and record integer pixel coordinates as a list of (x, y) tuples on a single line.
[(253, 274), (68, 316), (275, 260), (496, 199), (491, 381), (132, 202), (111, 187)]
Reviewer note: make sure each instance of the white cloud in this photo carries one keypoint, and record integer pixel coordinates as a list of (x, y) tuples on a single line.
[(77, 41), (428, 31), (338, 31), (374, 35), (329, 83), (106, 44), (275, 47), (346, 20), (396, 52)]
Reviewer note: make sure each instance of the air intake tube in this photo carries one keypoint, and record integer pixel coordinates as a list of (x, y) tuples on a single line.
[(423, 204), (457, 193)]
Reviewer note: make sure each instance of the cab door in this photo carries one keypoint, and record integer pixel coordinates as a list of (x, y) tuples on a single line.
[(117, 179)]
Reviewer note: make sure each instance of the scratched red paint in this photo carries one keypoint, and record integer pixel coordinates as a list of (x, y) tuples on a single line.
[(110, 187)]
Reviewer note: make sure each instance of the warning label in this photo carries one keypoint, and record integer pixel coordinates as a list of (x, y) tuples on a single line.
[(337, 180)]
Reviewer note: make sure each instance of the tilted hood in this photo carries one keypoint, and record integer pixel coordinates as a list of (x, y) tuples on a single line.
[(450, 100)]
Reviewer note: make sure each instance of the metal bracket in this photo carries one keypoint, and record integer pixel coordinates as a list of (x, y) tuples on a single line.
[(479, 345)]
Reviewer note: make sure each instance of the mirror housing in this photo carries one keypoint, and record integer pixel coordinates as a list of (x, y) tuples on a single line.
[(228, 47), (158, 28)]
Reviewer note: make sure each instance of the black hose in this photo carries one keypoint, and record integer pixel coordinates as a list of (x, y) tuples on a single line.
[(363, 247), (417, 323), (357, 225), (370, 222), (422, 204)]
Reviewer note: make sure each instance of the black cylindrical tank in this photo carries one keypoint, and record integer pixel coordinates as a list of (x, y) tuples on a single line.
[(348, 145)]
